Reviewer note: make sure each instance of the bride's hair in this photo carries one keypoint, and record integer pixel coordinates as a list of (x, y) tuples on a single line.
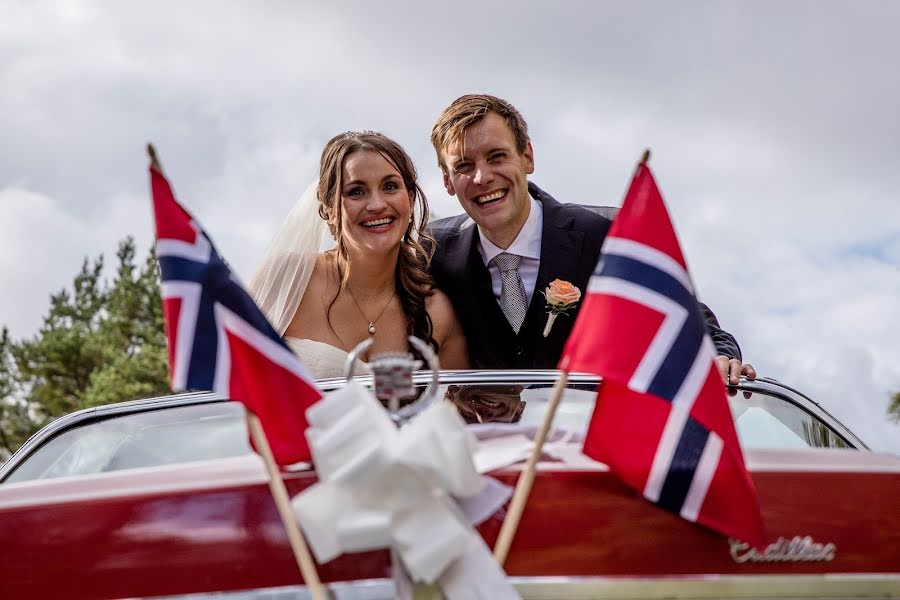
[(413, 281)]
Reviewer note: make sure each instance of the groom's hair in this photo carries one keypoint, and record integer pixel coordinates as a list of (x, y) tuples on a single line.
[(465, 111)]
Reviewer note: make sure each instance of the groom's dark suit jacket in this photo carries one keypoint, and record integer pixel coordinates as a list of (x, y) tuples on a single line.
[(570, 245)]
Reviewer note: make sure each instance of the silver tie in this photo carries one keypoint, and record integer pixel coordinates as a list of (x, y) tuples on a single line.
[(512, 292)]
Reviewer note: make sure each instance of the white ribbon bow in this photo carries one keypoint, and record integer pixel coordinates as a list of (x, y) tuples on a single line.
[(382, 487)]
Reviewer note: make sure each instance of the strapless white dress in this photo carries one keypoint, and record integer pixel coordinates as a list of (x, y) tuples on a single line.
[(323, 360)]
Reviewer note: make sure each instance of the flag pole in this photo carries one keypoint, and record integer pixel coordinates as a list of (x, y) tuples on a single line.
[(276, 483), (526, 479), (283, 503), (154, 161), (645, 157)]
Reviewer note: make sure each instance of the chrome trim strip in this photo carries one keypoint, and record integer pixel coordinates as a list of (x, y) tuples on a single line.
[(826, 460), (189, 477), (698, 587)]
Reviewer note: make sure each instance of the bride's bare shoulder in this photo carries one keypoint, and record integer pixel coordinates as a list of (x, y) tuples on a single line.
[(441, 311), (308, 317), (323, 272), (438, 300), (321, 281), (447, 331)]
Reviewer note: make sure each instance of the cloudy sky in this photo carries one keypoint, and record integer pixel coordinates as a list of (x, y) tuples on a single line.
[(773, 125)]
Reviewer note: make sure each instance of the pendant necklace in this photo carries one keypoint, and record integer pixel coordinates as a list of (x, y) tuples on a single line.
[(371, 322)]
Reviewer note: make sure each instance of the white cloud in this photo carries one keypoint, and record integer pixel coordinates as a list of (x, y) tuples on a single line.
[(42, 247), (773, 129)]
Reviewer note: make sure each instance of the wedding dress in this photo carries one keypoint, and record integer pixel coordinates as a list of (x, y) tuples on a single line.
[(323, 360), (282, 277)]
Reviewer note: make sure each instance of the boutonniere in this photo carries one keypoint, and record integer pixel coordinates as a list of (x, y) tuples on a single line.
[(561, 297)]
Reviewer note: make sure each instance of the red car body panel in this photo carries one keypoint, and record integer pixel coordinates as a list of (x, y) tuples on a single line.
[(212, 526)]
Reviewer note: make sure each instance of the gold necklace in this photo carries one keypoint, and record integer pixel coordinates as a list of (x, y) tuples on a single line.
[(371, 322)]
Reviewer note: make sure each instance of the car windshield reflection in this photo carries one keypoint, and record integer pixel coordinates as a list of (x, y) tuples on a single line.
[(151, 438), (170, 435)]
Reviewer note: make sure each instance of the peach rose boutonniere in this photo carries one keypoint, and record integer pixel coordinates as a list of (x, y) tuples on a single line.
[(561, 297)]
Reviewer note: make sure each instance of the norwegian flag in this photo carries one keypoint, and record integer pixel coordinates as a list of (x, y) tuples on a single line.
[(218, 338), (662, 421)]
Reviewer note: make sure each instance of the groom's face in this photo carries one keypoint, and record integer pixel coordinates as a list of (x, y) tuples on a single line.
[(488, 175)]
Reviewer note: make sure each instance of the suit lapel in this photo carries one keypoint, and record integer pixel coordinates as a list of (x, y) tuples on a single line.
[(560, 252)]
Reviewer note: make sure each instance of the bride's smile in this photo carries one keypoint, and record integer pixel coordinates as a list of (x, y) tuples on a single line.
[(378, 224)]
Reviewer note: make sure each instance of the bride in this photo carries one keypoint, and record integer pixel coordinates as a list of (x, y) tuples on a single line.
[(375, 282)]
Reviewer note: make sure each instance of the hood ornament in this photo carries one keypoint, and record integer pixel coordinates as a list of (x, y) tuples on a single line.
[(392, 376)]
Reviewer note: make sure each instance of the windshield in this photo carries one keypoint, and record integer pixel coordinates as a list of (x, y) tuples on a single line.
[(159, 436), (149, 438)]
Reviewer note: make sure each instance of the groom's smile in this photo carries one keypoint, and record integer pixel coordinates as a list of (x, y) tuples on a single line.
[(491, 197)]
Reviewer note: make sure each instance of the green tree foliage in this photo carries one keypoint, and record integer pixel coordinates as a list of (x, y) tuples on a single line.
[(894, 408), (100, 342), (15, 422)]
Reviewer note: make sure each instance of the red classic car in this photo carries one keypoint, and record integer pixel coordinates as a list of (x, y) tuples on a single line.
[(164, 498)]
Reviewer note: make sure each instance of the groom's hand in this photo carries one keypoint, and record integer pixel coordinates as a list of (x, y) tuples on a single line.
[(731, 370)]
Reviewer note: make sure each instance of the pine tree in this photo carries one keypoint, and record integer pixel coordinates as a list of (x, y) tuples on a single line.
[(132, 336), (99, 343), (894, 408), (15, 422)]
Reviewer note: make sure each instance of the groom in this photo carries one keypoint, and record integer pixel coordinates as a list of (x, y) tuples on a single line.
[(495, 260)]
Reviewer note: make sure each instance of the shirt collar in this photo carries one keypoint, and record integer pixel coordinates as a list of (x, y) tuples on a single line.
[(527, 244)]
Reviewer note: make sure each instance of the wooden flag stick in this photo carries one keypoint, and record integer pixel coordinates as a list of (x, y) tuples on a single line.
[(282, 502), (154, 161), (276, 483), (526, 478)]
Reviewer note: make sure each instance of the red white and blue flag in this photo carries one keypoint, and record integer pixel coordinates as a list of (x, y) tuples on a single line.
[(218, 338), (662, 421)]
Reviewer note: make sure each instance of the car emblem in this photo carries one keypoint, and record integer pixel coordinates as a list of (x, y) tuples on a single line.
[(393, 377), (796, 549)]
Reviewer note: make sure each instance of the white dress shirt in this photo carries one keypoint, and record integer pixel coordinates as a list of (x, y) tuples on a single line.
[(527, 245)]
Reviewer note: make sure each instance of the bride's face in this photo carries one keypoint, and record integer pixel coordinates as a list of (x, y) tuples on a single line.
[(375, 205)]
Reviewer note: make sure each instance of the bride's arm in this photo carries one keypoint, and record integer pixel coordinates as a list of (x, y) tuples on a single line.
[(447, 332)]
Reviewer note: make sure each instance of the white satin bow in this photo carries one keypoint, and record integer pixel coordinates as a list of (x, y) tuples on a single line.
[(383, 487)]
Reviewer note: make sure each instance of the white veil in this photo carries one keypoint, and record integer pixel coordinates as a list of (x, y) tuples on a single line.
[(282, 277)]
